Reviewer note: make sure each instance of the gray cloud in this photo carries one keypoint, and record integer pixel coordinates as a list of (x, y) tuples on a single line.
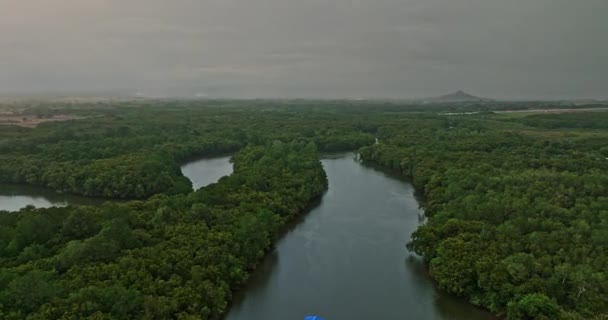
[(312, 48)]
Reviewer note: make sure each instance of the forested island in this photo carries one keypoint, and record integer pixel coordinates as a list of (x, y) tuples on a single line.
[(516, 203)]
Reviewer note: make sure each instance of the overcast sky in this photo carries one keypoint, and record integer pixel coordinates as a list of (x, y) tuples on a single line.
[(306, 48)]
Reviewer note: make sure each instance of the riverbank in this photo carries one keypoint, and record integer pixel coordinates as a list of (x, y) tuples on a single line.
[(345, 258), (497, 203)]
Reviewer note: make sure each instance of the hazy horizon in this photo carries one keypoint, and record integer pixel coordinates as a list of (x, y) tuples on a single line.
[(408, 49)]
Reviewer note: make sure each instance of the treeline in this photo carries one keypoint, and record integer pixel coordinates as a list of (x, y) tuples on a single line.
[(128, 176), (517, 223), (573, 120), (136, 152), (164, 258)]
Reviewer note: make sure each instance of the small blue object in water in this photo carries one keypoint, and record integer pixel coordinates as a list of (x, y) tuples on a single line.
[(313, 318)]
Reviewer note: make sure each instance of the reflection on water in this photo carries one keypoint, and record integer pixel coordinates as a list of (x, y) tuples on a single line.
[(345, 259), (15, 197), (206, 171), (16, 202), (448, 306)]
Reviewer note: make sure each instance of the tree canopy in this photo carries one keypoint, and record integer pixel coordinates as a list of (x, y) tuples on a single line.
[(517, 204)]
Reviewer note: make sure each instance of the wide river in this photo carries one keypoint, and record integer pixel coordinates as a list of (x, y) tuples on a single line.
[(346, 259)]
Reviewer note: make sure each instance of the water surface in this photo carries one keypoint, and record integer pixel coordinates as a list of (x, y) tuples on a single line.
[(203, 172), (15, 197), (347, 259)]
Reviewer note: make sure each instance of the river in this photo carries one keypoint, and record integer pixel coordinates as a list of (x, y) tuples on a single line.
[(346, 259), (15, 197), (205, 171), (201, 172)]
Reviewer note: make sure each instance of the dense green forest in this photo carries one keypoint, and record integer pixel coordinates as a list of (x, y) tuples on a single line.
[(134, 153), (517, 205), (163, 258), (517, 218)]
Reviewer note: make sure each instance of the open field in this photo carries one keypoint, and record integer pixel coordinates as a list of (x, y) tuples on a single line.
[(31, 120), (525, 113)]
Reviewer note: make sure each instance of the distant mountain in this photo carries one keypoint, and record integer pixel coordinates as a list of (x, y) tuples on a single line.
[(458, 96)]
